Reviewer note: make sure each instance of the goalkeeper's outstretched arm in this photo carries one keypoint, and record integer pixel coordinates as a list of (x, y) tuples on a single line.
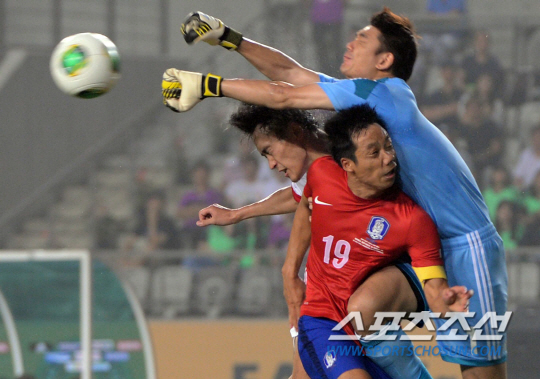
[(272, 63), (275, 64), (182, 90), (277, 95)]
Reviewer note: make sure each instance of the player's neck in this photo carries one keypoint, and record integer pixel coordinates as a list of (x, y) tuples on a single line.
[(313, 155), (383, 75), (362, 190), (365, 191)]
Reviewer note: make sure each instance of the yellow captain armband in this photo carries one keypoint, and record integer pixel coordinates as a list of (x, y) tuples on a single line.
[(430, 272)]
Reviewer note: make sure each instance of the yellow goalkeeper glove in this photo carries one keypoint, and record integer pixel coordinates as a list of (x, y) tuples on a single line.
[(182, 90), (199, 26)]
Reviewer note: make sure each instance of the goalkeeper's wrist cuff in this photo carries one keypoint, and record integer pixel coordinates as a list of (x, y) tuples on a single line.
[(231, 39), (211, 86)]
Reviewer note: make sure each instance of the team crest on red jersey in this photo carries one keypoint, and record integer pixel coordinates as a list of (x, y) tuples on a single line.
[(378, 227)]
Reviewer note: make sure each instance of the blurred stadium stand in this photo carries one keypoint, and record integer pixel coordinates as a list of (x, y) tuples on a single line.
[(62, 157)]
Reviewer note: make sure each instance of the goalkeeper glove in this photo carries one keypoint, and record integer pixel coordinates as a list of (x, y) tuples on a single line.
[(182, 90), (201, 27)]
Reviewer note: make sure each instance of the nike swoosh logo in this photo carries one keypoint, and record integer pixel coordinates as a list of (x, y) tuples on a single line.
[(317, 201)]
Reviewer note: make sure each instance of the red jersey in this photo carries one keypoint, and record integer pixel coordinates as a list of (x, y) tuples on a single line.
[(353, 237)]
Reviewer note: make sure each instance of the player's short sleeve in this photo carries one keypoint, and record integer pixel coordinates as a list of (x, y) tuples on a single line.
[(296, 195), (298, 188), (424, 245), (310, 178), (326, 78), (318, 174), (307, 189), (341, 93), (350, 92)]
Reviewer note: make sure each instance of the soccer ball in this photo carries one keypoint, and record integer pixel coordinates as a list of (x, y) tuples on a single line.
[(85, 65)]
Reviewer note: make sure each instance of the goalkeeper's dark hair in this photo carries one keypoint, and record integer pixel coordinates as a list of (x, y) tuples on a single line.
[(343, 128), (399, 38), (295, 126)]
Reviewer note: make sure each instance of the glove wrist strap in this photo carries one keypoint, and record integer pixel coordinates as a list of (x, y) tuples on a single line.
[(231, 39), (211, 86)]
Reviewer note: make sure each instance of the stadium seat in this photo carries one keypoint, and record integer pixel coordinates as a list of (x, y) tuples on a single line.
[(524, 282), (29, 241), (118, 178), (254, 295), (214, 290), (138, 279), (171, 291)]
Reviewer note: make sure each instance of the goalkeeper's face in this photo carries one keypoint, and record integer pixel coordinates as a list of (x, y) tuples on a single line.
[(286, 157), (363, 57)]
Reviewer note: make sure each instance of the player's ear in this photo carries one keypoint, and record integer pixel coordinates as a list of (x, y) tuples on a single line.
[(385, 62), (347, 164), (297, 134)]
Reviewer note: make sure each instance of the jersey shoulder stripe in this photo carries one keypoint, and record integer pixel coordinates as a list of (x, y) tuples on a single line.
[(364, 87)]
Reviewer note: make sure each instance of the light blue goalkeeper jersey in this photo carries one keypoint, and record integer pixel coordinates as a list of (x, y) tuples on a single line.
[(432, 172)]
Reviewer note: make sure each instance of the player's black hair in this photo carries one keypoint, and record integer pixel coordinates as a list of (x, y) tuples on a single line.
[(399, 38), (296, 126), (345, 125)]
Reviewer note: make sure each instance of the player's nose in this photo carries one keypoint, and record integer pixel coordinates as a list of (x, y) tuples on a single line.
[(389, 158), (272, 163)]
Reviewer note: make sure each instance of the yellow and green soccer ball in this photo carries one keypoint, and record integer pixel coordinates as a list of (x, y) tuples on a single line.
[(85, 65)]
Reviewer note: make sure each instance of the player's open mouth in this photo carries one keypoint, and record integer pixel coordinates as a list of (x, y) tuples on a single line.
[(391, 173)]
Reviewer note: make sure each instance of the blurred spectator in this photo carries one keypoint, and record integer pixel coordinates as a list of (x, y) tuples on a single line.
[(154, 229), (531, 202), (288, 19), (106, 229), (446, 7), (441, 105), (529, 162), (193, 201), (180, 161), (508, 223), (499, 188), (249, 188), (280, 231), (251, 233), (481, 61), (442, 44), (327, 32), (143, 189), (491, 102), (280, 225), (232, 168), (485, 139)]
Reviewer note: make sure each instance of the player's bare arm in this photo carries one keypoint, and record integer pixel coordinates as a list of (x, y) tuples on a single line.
[(279, 202), (182, 90), (293, 287), (275, 64), (277, 95)]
